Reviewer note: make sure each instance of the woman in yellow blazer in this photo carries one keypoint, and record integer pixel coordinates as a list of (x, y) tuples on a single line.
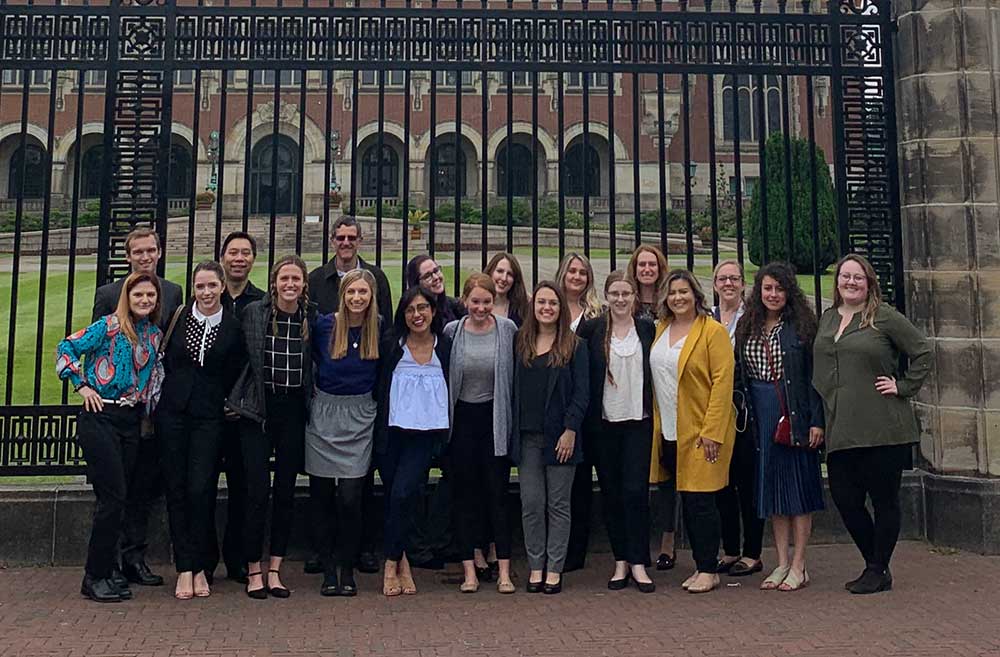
[(692, 366)]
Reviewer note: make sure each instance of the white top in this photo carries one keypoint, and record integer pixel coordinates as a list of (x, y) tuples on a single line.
[(575, 323), (664, 361), (208, 322), (623, 399), (731, 327), (418, 395)]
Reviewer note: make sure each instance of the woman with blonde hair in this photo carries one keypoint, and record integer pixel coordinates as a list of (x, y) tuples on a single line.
[(648, 269), (693, 367), (338, 443), (575, 279), (870, 425)]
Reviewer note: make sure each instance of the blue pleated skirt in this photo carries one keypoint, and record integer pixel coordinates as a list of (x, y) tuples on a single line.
[(789, 479)]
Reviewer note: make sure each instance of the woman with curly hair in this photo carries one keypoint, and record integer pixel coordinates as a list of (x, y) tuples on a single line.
[(774, 345)]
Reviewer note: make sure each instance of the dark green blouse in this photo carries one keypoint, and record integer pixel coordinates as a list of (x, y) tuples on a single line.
[(844, 373)]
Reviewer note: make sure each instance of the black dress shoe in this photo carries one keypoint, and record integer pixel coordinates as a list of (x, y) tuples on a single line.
[(619, 584), (331, 586), (139, 573), (313, 566), (118, 579), (277, 591), (256, 594), (368, 563), (535, 587), (645, 587), (348, 587), (124, 592), (873, 580), (99, 590), (236, 574), (724, 566), (740, 569), (552, 589), (666, 561)]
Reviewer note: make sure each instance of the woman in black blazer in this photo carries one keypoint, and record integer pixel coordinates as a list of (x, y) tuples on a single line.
[(549, 402), (619, 426), (202, 357)]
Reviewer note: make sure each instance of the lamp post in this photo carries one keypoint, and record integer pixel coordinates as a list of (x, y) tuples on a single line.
[(213, 157), (334, 193)]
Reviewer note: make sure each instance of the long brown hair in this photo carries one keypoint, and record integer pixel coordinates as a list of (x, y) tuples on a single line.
[(517, 296), (272, 291), (700, 303), (588, 300), (661, 280), (874, 299), (369, 323), (563, 347), (797, 311), (615, 277), (124, 310)]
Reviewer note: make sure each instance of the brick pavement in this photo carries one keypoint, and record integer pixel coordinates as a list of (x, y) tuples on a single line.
[(943, 604)]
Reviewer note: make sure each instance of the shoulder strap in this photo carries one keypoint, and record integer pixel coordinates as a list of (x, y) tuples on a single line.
[(774, 375), (170, 330)]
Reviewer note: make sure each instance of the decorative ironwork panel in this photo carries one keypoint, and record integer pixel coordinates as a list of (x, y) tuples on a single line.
[(39, 440)]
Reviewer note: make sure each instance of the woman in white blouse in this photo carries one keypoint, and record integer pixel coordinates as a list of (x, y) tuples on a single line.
[(412, 424), (619, 426)]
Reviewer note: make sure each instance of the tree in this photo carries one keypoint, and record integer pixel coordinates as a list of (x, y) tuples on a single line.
[(801, 255)]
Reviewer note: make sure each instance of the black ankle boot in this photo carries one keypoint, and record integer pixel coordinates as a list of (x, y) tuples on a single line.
[(99, 589), (873, 580)]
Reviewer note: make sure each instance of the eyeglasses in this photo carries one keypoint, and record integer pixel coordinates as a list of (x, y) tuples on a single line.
[(431, 274), (620, 295), (417, 309), (728, 279), (346, 238), (857, 278)]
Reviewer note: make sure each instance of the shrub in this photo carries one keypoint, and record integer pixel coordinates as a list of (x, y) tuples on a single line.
[(801, 252)]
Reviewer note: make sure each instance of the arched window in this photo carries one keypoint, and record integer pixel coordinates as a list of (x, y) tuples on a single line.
[(370, 171), (519, 176), (91, 172), (745, 88), (278, 189), (179, 183), (450, 173), (32, 159), (582, 170)]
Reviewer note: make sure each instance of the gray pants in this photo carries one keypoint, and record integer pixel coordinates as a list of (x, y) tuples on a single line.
[(545, 495)]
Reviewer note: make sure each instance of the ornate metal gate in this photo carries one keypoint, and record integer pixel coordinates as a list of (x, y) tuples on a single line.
[(690, 88)]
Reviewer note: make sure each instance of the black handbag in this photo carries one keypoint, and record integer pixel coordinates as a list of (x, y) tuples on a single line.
[(244, 400)]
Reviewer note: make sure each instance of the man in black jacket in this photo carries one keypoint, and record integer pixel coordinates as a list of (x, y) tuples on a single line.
[(324, 290), (142, 251)]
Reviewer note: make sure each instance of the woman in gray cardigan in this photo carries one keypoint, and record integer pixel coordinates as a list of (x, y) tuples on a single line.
[(481, 379)]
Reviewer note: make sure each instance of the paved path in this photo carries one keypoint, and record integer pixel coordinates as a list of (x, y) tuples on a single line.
[(943, 604)]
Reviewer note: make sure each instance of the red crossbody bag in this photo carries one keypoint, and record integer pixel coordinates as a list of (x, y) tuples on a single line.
[(782, 432)]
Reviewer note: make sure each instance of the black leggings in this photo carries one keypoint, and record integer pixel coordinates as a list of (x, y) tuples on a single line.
[(285, 438), (480, 481), (876, 472), (336, 505), (737, 502), (621, 453)]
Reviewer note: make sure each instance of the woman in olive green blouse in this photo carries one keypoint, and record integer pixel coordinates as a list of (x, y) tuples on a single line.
[(870, 425)]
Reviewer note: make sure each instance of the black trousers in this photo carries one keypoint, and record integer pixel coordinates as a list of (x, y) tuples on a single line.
[(230, 462), (665, 507), (480, 481), (285, 439), (145, 486), (337, 521), (403, 467), (369, 519), (703, 527), (738, 502), (621, 453), (190, 449), (110, 442), (581, 503), (875, 472)]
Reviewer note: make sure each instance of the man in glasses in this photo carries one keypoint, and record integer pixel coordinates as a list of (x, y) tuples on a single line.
[(324, 288)]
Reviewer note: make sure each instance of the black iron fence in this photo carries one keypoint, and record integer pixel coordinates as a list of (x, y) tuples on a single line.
[(745, 130)]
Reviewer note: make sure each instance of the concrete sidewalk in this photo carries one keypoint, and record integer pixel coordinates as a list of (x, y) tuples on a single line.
[(943, 603)]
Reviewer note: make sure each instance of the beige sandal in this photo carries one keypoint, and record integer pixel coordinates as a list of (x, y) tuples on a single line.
[(391, 586), (795, 581), (690, 580), (506, 587), (774, 580), (704, 589), (406, 581), (469, 587)]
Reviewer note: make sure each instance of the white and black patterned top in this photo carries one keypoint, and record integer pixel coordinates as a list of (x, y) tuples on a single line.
[(283, 353), (200, 332), (755, 356)]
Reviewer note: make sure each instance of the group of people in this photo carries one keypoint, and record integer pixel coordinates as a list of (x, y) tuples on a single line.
[(729, 406)]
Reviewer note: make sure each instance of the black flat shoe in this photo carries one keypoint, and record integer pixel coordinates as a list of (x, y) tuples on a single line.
[(740, 569), (256, 594), (666, 561), (535, 587), (330, 587), (236, 574), (313, 566), (619, 584), (348, 587), (645, 587), (872, 581), (723, 566), (118, 579), (139, 573), (277, 591), (552, 589), (368, 563), (484, 574), (99, 590)]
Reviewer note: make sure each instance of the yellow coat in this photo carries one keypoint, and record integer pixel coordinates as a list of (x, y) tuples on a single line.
[(704, 408)]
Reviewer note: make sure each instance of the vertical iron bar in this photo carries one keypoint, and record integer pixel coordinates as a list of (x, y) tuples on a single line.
[(432, 178), (379, 170), (108, 155), (459, 176), (786, 128), (485, 164), (814, 195), (299, 216), (248, 144), (636, 193), (585, 79), (662, 157), (43, 268), (327, 164), (194, 184), (612, 160), (892, 154), (275, 128), (16, 263), (534, 171), (74, 215), (220, 189), (560, 95), (406, 172), (354, 144), (712, 184), (507, 153)]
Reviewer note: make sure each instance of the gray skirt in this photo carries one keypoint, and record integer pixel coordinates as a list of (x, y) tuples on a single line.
[(339, 435)]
